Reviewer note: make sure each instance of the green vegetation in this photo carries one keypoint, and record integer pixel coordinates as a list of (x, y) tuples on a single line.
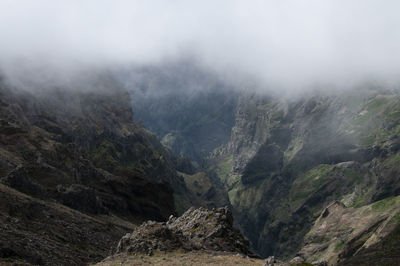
[(339, 246), (277, 115), (363, 197), (265, 106), (379, 136), (198, 183), (372, 108), (105, 155), (353, 176), (224, 167), (379, 121), (181, 204), (311, 181), (384, 204), (392, 162)]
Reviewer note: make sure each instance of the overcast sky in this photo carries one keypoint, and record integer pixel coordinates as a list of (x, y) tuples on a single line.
[(288, 43)]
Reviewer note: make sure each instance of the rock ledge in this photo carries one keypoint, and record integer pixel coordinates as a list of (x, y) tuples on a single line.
[(196, 229)]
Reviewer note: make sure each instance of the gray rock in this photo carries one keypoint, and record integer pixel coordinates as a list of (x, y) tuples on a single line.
[(269, 261), (296, 260), (320, 263), (150, 251), (195, 229)]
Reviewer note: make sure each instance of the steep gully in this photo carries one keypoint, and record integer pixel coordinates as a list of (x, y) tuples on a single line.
[(284, 160)]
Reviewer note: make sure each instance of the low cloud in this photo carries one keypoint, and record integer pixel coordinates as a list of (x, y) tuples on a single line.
[(284, 44)]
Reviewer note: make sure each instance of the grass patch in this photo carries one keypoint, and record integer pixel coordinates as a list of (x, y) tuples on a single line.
[(353, 175), (338, 246), (392, 162), (224, 168), (384, 204), (277, 115), (379, 121), (309, 182)]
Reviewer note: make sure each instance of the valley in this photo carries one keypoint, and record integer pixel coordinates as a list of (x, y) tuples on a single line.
[(285, 166), (285, 159), (200, 133)]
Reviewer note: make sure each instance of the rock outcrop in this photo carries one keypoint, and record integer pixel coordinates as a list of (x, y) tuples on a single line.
[(196, 229)]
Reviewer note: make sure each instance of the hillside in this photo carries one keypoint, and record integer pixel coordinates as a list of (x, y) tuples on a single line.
[(292, 158), (280, 166), (40, 232), (200, 132), (351, 236), (288, 158), (78, 148)]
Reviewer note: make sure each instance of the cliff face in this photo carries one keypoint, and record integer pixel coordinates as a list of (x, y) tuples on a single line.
[(65, 149), (190, 109), (79, 147), (82, 149), (288, 159), (285, 159)]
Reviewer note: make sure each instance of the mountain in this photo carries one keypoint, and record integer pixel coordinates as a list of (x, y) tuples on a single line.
[(313, 176), (82, 147), (286, 159), (75, 169), (289, 158)]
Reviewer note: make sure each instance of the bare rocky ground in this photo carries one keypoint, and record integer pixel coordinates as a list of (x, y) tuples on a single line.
[(37, 232)]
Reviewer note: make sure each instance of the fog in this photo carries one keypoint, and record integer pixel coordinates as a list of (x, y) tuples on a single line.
[(286, 44)]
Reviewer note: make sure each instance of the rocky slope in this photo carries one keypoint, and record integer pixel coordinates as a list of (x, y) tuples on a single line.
[(285, 159), (288, 159), (347, 235), (82, 149), (40, 232), (78, 147)]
